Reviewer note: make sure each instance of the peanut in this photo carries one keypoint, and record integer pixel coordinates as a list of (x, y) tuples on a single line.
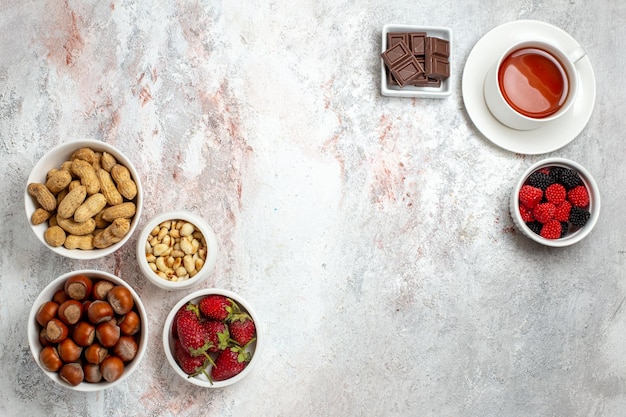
[(125, 210), (84, 198), (84, 170), (58, 180), (71, 202), (44, 197), (125, 185), (79, 242), (40, 216), (112, 234), (90, 207), (100, 222), (86, 154), (74, 184), (75, 228), (107, 187), (67, 166), (96, 161), (54, 236), (107, 161)]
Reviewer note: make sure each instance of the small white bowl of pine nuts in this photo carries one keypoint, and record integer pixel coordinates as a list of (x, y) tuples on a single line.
[(177, 250)]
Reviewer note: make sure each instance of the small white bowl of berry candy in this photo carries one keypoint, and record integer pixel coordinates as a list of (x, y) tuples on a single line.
[(211, 338), (556, 202)]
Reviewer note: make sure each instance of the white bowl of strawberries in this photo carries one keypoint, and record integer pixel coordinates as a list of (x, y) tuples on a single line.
[(211, 338), (556, 202)]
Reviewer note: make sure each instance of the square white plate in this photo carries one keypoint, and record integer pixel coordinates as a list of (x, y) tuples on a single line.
[(411, 91)]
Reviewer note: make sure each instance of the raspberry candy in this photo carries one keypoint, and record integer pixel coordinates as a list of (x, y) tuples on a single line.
[(578, 196), (530, 196), (551, 230), (544, 212), (527, 214), (562, 211), (556, 194)]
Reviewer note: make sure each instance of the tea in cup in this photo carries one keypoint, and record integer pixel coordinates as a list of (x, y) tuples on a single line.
[(531, 84)]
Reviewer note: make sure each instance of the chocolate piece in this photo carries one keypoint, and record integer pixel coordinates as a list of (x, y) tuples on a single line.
[(437, 67), (437, 46), (417, 42), (395, 38), (402, 64), (426, 82), (414, 58)]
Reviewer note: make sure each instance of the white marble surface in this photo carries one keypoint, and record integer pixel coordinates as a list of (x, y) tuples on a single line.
[(371, 234)]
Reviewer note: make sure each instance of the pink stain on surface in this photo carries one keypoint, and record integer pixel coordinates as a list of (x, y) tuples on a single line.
[(66, 43)]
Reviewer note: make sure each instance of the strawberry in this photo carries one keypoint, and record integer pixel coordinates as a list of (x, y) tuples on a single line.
[(193, 335), (229, 363), (530, 196), (218, 335), (242, 329), (217, 307), (191, 365), (188, 309)]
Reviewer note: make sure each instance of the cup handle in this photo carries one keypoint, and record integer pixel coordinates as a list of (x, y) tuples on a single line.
[(576, 54)]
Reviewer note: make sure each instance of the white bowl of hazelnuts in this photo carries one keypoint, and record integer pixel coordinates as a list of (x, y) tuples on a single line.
[(83, 199), (88, 330)]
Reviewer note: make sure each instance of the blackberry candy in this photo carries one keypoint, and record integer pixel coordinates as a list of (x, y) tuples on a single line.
[(578, 217), (540, 180), (535, 227), (564, 227), (569, 178)]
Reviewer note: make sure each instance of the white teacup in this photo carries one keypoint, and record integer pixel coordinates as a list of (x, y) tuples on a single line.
[(532, 83)]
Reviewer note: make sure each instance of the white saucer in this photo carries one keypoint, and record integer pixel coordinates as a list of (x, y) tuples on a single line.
[(532, 142)]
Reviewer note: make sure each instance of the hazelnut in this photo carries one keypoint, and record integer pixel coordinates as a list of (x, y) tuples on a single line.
[(99, 311), (126, 348), (60, 297), (70, 312), (50, 359), (108, 334), (47, 311), (78, 287), (95, 353), (92, 373), (112, 368), (101, 289), (84, 333), (120, 299), (56, 331), (72, 373), (42, 338), (130, 323), (69, 351)]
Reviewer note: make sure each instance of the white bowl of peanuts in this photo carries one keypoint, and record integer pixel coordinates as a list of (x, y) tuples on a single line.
[(83, 199), (177, 250)]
